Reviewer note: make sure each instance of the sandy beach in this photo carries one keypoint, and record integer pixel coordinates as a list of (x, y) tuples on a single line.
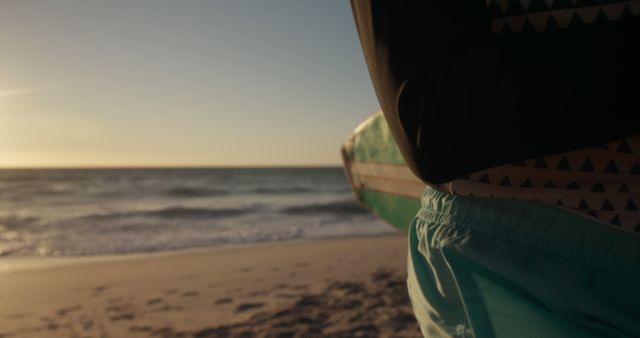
[(323, 288)]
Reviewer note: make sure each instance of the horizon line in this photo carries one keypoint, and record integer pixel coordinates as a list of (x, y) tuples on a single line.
[(86, 167)]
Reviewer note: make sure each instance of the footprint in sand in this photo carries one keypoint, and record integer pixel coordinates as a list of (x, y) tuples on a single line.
[(258, 293), (310, 300), (113, 308), (135, 328), (190, 294), (49, 323), (52, 326), (225, 300), (171, 292), (402, 320), (167, 307), (248, 306), (366, 330), (86, 326), (100, 288), (63, 311), (154, 301), (381, 275), (124, 316)]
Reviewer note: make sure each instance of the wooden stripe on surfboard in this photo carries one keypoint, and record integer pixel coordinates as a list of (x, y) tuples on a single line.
[(387, 178), (386, 170)]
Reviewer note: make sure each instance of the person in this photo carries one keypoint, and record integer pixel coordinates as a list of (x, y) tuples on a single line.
[(520, 117)]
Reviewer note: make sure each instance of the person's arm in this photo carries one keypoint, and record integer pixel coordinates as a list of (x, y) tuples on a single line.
[(459, 99)]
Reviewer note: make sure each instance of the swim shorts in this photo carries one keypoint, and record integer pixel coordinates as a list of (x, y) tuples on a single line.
[(492, 267)]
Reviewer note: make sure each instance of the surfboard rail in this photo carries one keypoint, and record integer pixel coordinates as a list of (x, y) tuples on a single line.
[(379, 177)]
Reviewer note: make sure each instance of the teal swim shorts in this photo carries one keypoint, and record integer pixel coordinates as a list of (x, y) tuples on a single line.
[(489, 267)]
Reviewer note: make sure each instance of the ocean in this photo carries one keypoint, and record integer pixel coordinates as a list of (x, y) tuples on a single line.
[(79, 212)]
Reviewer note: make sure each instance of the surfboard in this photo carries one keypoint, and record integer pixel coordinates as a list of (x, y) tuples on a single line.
[(379, 176)]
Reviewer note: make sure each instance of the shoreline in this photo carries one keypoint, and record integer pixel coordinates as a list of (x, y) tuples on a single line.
[(22, 263)]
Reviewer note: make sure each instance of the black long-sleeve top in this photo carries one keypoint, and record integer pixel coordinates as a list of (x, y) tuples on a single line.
[(466, 85)]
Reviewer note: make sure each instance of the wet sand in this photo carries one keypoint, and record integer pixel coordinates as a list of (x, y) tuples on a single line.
[(326, 288)]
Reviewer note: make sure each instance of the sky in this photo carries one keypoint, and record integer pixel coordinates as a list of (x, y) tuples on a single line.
[(87, 83)]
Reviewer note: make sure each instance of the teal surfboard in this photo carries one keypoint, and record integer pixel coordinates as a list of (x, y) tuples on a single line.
[(378, 174)]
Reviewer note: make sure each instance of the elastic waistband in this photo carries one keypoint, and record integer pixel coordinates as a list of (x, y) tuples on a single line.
[(536, 226)]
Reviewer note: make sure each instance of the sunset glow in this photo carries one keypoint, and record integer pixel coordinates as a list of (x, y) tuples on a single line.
[(191, 83)]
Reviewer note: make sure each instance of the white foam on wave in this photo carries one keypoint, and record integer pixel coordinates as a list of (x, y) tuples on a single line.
[(130, 211)]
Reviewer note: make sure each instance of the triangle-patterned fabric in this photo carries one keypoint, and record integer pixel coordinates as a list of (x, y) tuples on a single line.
[(540, 16), (602, 182)]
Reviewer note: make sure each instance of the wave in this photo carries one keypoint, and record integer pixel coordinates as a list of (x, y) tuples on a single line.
[(338, 207), (181, 212), (276, 191), (172, 213), (14, 222), (195, 192)]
